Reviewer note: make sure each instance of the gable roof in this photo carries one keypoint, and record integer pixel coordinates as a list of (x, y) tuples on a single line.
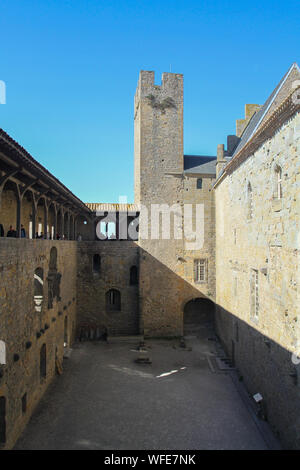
[(260, 116)]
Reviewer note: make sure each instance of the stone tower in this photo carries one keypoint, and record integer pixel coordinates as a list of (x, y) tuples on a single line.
[(158, 180)]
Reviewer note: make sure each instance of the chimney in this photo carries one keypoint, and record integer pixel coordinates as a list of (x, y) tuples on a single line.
[(241, 124), (221, 162)]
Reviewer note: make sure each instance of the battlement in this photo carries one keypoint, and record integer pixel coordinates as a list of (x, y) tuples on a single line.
[(171, 83)]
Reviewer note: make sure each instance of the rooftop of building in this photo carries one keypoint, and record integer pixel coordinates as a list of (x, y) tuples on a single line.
[(19, 164), (200, 164), (259, 115)]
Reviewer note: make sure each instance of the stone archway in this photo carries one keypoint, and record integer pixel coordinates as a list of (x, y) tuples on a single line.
[(198, 316)]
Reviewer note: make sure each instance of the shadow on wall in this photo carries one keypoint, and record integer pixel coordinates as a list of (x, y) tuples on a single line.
[(164, 295), (110, 300), (169, 309), (266, 368), (107, 291)]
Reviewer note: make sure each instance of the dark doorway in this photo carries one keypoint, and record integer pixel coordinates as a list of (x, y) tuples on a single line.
[(198, 316), (2, 420)]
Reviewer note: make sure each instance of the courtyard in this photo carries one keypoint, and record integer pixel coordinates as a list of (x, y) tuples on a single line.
[(105, 400)]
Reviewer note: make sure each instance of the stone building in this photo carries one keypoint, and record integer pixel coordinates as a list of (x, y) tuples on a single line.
[(257, 256), (208, 238)]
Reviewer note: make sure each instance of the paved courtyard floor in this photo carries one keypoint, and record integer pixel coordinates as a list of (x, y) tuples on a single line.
[(104, 400)]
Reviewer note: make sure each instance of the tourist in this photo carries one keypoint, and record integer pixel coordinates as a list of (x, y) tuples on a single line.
[(23, 232), (11, 232)]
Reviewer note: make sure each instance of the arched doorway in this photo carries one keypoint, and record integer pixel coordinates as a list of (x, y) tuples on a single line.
[(198, 316)]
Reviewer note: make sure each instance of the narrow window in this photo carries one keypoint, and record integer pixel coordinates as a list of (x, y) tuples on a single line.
[(278, 182), (2, 352), (43, 362), (200, 270), (254, 293), (234, 236), (199, 183), (96, 263), (250, 201), (66, 332), (133, 276), (24, 403), (235, 284), (2, 420), (113, 300)]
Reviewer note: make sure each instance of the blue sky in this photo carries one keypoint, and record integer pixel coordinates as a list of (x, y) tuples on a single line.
[(71, 69)]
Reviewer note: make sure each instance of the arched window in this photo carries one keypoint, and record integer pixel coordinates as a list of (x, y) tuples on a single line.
[(278, 183), (199, 183), (113, 300), (96, 263), (38, 288), (43, 362), (133, 276), (250, 201)]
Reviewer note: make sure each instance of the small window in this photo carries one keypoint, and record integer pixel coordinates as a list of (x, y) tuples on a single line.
[(96, 263), (43, 362), (200, 270), (278, 183), (66, 336), (235, 284), (250, 201), (2, 352), (24, 403), (133, 276), (254, 294), (234, 236), (199, 183), (113, 300)]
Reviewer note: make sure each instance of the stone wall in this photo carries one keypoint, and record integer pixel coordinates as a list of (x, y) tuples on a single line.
[(205, 196), (24, 329), (256, 231), (116, 259)]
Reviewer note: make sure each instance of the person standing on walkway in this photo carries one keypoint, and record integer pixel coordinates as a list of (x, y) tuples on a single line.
[(11, 232)]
